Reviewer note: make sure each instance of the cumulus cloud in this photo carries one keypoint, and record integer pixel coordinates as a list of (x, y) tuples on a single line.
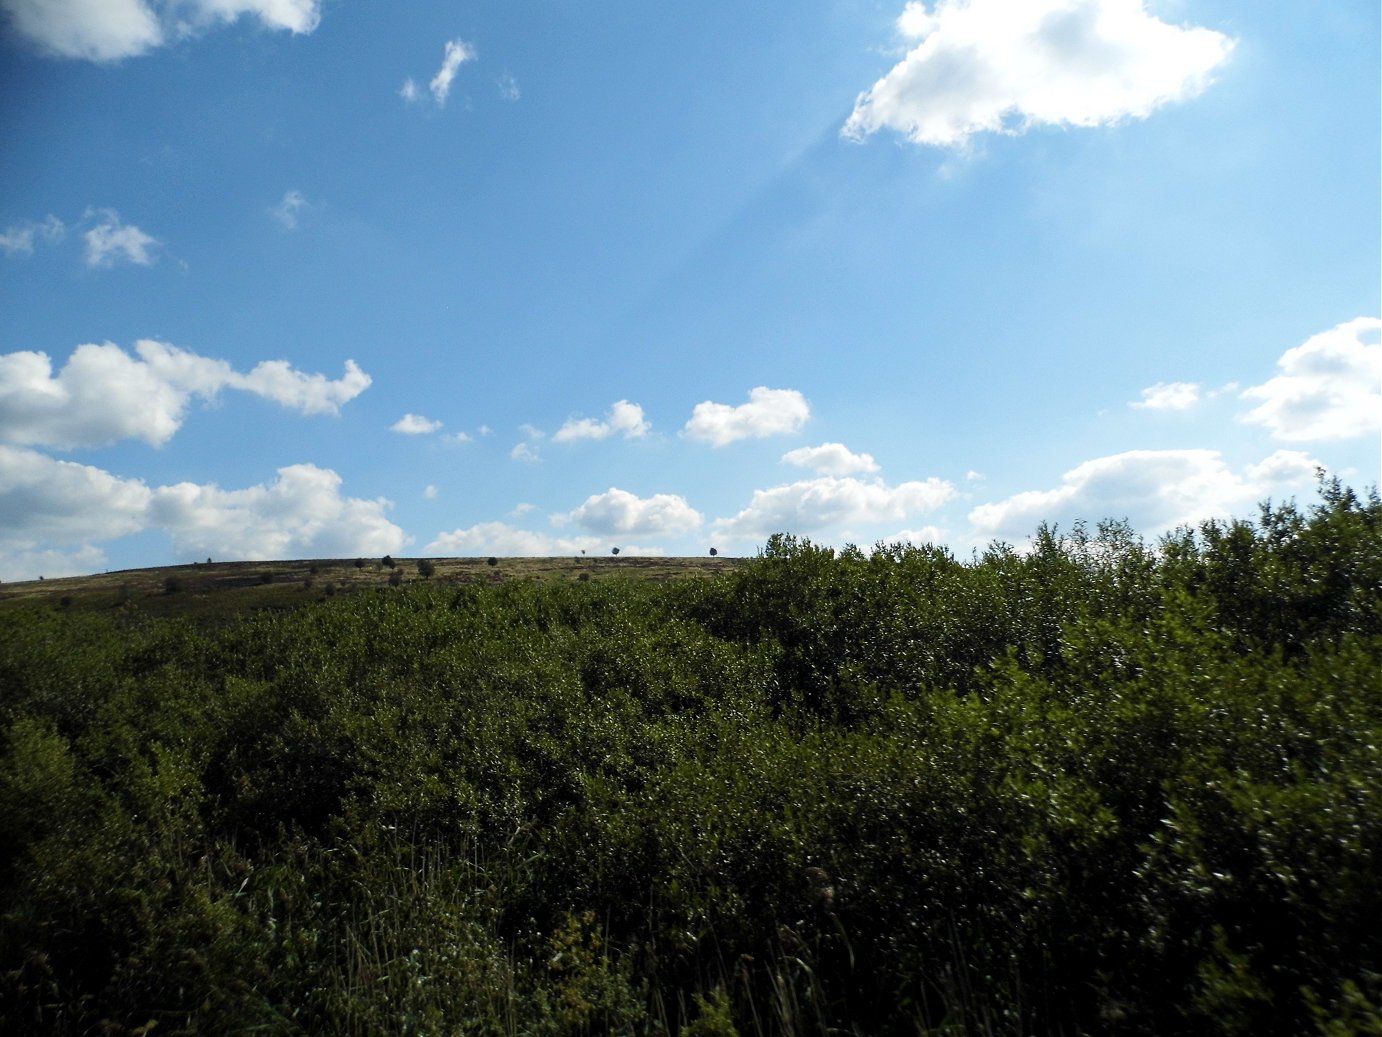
[(18, 238), (1154, 490), (415, 425), (47, 505), (624, 418), (526, 453), (619, 512), (917, 537), (1168, 396), (831, 459), (499, 538), (111, 241), (103, 394), (457, 53), (1004, 66), (829, 503), (286, 211), (1328, 387), (301, 514), (108, 30), (769, 412)]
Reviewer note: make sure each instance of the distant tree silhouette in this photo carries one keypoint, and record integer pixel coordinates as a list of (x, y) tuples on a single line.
[(713, 552), (426, 567), (615, 551), (387, 562)]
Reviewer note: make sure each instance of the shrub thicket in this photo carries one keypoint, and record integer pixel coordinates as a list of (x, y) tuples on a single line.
[(1100, 787)]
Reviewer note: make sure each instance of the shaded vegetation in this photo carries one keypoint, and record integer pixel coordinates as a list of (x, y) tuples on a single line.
[(1099, 787)]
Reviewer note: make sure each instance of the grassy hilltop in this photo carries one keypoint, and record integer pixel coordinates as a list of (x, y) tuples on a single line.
[(1103, 787)]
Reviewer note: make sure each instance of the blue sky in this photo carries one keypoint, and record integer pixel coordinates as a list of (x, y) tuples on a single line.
[(318, 278)]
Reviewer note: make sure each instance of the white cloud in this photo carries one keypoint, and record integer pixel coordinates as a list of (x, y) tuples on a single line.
[(102, 394), (1154, 490), (110, 241), (769, 412), (918, 537), (618, 512), (108, 30), (1004, 66), (525, 453), (1168, 396), (52, 563), (1328, 387), (828, 503), (624, 417), (47, 505), (430, 492), (18, 239), (457, 437), (831, 459), (300, 515), (408, 91), (296, 16), (457, 52), (508, 88), (46, 502), (499, 538), (415, 425), (286, 211)]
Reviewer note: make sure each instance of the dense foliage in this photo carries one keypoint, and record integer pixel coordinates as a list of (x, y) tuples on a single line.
[(1097, 787)]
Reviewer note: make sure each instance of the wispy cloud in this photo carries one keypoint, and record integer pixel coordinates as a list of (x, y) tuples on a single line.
[(508, 87), (111, 241), (1004, 66), (457, 53), (19, 238), (286, 211)]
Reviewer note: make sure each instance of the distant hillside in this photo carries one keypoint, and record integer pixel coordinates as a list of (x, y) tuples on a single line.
[(209, 588)]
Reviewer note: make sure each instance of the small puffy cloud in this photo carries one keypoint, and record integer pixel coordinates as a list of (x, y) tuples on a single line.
[(456, 437), (286, 211), (1004, 66), (831, 459), (1168, 396), (618, 512), (415, 425), (1328, 387), (769, 412), (430, 492), (1154, 490), (111, 241), (828, 503), (103, 394), (624, 418), (300, 515), (108, 30), (18, 239), (408, 91), (524, 452), (499, 538), (457, 53)]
